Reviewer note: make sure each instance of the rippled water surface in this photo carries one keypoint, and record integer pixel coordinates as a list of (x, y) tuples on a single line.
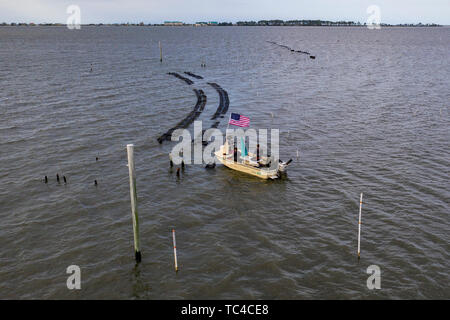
[(370, 114)]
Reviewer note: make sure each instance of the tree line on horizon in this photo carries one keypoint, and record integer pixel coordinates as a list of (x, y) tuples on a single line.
[(239, 23)]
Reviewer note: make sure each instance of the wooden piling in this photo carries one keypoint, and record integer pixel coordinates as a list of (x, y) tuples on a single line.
[(133, 195), (359, 226), (175, 250)]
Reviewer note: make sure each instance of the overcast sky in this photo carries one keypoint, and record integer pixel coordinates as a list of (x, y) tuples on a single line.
[(157, 11)]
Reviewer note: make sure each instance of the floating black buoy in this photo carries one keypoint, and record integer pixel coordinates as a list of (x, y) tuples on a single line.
[(45, 179), (64, 178), (57, 177), (210, 165), (312, 57), (95, 182)]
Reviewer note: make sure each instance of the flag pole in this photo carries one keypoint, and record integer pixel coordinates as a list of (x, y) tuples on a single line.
[(228, 124), (226, 137)]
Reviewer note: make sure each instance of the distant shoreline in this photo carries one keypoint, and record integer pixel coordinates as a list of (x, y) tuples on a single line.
[(234, 25), (261, 23)]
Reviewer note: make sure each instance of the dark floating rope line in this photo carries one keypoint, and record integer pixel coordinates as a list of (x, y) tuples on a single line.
[(224, 100), (215, 124), (292, 50), (193, 75), (221, 109), (194, 114), (199, 107), (188, 81), (227, 102)]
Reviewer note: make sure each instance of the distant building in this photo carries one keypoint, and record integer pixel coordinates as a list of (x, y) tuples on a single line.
[(173, 23), (204, 23)]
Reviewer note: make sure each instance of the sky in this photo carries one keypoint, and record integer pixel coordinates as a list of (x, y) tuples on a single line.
[(189, 11)]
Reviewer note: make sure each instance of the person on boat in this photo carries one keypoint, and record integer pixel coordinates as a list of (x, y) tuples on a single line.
[(235, 152), (257, 152)]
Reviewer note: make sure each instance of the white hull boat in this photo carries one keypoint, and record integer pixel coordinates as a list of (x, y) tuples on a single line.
[(263, 168)]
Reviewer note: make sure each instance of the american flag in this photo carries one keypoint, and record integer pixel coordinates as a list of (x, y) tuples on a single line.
[(239, 120)]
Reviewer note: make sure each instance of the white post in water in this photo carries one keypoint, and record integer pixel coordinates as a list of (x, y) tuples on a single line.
[(359, 226), (133, 195), (160, 52), (175, 250)]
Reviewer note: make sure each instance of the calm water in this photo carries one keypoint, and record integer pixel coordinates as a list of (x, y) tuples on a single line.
[(370, 114)]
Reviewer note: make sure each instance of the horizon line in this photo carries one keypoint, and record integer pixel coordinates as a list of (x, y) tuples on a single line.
[(269, 23)]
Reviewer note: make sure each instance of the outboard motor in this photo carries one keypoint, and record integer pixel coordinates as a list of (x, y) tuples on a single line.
[(283, 165)]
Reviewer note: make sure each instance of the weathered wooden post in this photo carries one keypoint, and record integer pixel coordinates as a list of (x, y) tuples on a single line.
[(133, 195), (359, 226), (175, 250)]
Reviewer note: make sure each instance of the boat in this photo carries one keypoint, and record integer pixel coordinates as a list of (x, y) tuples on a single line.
[(247, 162)]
